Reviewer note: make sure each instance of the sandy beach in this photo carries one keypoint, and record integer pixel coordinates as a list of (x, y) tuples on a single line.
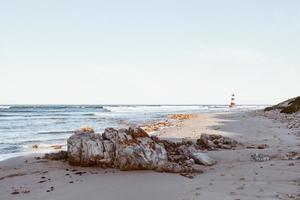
[(235, 176)]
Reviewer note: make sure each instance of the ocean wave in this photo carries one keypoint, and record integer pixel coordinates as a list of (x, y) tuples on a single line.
[(51, 108), (42, 141), (10, 149), (54, 132), (89, 114), (4, 107)]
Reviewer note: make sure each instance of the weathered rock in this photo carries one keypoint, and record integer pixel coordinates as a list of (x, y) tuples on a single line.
[(110, 134), (92, 151), (136, 150), (85, 149), (202, 158), (213, 141), (109, 153), (171, 167), (61, 155)]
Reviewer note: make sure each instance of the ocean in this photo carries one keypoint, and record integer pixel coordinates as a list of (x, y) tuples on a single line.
[(22, 126)]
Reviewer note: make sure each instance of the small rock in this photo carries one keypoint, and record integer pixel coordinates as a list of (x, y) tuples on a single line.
[(262, 146), (260, 157), (201, 158), (15, 192), (62, 155), (187, 175)]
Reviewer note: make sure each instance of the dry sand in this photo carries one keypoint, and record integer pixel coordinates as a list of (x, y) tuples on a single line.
[(235, 176)]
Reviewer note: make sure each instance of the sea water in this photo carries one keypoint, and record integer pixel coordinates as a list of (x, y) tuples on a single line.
[(22, 126)]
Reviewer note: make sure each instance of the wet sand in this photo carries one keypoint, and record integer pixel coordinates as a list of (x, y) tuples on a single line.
[(235, 176)]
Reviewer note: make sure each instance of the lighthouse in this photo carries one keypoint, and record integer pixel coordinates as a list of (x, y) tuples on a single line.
[(232, 101)]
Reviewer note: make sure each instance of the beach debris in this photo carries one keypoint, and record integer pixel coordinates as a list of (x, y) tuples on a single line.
[(262, 146), (61, 155), (155, 126), (15, 192), (181, 116), (288, 196), (258, 157), (57, 146), (12, 175), (80, 173), (187, 175), (214, 141), (292, 155), (86, 130), (259, 146), (134, 149), (20, 190)]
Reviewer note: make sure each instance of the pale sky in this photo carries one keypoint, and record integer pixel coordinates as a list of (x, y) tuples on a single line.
[(149, 52)]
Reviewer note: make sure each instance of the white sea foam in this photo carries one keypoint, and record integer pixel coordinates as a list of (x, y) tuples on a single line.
[(4, 107)]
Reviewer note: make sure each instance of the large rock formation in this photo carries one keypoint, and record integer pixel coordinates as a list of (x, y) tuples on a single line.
[(133, 149), (287, 112), (289, 106)]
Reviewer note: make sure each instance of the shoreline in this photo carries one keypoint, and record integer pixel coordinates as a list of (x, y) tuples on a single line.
[(235, 176)]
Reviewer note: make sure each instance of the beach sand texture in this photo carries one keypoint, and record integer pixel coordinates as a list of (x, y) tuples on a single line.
[(234, 177)]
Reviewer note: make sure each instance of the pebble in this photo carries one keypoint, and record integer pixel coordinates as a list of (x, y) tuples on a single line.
[(15, 192), (190, 176)]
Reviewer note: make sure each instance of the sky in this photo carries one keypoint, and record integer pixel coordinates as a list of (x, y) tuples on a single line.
[(149, 52)]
